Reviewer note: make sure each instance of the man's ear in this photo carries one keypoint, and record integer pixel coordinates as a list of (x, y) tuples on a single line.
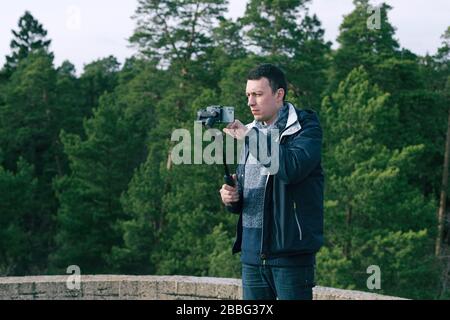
[(280, 93)]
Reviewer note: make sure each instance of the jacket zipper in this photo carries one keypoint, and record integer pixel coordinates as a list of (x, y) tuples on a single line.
[(298, 223), (263, 255)]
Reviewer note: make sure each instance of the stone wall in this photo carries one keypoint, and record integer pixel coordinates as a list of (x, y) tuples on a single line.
[(115, 287)]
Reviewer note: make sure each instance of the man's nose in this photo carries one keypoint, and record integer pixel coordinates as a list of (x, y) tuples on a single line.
[(251, 101)]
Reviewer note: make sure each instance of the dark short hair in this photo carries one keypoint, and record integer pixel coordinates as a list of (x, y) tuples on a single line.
[(275, 75)]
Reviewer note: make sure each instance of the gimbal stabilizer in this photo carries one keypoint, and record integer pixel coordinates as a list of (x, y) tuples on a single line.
[(218, 114)]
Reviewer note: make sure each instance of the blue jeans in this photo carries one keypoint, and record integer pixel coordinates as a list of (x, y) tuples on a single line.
[(270, 282)]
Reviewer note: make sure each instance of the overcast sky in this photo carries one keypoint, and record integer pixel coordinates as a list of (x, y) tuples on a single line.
[(85, 30)]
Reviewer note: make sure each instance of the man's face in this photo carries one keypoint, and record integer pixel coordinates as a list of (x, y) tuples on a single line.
[(263, 103)]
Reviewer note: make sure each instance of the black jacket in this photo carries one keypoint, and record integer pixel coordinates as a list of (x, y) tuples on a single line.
[(293, 198)]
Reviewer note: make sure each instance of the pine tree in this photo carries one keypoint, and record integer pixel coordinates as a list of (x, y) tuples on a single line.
[(422, 110), (363, 46), (29, 128), (271, 26), (29, 103), (170, 30), (30, 37), (370, 202)]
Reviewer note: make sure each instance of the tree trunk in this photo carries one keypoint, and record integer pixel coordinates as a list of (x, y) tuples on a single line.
[(445, 277), (443, 200)]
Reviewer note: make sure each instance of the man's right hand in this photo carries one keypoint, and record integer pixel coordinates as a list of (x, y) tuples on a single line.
[(230, 194)]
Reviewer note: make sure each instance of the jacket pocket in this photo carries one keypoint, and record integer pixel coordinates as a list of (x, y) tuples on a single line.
[(297, 220)]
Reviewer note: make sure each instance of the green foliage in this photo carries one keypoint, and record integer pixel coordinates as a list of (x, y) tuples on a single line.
[(101, 168), (361, 46), (70, 106), (171, 30), (26, 122), (271, 26), (422, 110), (191, 217), (16, 234), (396, 253), (333, 269), (142, 229), (362, 174), (98, 77), (221, 264), (30, 121)]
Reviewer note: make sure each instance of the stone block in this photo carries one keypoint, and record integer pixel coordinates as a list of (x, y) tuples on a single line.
[(100, 290), (186, 288), (128, 290), (166, 285), (206, 290), (9, 291), (148, 290), (227, 292)]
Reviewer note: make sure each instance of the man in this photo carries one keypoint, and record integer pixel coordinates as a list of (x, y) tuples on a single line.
[(280, 225)]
